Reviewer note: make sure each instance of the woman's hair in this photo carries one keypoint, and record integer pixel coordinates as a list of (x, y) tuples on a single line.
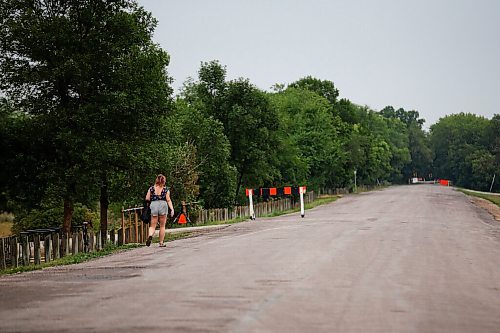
[(160, 180)]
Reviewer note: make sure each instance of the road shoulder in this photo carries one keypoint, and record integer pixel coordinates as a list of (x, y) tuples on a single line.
[(488, 206)]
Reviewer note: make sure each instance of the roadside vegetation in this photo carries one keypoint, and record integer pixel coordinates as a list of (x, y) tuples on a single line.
[(493, 198)]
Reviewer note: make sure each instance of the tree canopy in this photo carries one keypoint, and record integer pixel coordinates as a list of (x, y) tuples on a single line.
[(465, 150)]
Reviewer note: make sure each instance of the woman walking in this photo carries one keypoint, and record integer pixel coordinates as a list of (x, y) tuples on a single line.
[(159, 197)]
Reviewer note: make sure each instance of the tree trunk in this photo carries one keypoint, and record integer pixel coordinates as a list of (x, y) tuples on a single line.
[(68, 214), (238, 186), (104, 203)]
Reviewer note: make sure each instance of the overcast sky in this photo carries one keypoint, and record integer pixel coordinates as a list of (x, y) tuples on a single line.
[(435, 56)]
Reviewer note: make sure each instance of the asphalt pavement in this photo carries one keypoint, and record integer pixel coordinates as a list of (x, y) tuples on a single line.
[(417, 258)]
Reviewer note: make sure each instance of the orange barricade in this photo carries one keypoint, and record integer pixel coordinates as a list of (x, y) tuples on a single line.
[(444, 182)]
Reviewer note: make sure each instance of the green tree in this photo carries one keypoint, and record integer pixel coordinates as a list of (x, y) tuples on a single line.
[(91, 74), (348, 112), (217, 177), (248, 120), (457, 141), (407, 117), (323, 88), (250, 124), (309, 147), (420, 152), (493, 137), (482, 168), (420, 161), (371, 147)]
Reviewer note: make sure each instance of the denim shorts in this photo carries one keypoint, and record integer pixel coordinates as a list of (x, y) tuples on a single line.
[(159, 207)]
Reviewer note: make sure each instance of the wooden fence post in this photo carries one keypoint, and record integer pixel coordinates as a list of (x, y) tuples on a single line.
[(98, 241), (141, 232), (62, 249), (74, 245), (56, 245), (36, 249), (112, 236), (91, 241), (26, 256), (47, 247), (66, 244), (129, 228), (14, 252), (123, 227), (136, 225), (121, 233), (80, 241), (2, 253)]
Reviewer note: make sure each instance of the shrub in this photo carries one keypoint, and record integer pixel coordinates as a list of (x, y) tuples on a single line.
[(47, 217)]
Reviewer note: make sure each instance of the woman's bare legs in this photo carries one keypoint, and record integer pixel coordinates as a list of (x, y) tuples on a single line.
[(152, 226), (163, 221)]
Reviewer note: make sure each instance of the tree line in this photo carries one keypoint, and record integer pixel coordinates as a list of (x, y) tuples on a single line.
[(88, 118)]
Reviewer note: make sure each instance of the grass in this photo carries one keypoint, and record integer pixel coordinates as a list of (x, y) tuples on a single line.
[(176, 236), (5, 229), (493, 198), (236, 220)]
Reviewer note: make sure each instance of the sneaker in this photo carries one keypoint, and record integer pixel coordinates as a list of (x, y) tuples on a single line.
[(148, 242), (163, 245)]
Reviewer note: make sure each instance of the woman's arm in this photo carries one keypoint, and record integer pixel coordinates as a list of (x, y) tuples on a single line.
[(169, 203)]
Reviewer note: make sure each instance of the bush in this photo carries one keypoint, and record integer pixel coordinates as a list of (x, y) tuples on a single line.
[(47, 217)]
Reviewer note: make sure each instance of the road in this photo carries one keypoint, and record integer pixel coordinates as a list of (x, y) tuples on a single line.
[(404, 259)]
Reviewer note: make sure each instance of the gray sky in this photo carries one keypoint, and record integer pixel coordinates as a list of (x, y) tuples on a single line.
[(437, 57)]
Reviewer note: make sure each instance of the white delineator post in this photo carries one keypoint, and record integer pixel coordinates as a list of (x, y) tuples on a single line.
[(302, 190), (355, 185), (250, 199)]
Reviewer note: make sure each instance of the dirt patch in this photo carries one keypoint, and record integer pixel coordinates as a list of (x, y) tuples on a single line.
[(488, 205)]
